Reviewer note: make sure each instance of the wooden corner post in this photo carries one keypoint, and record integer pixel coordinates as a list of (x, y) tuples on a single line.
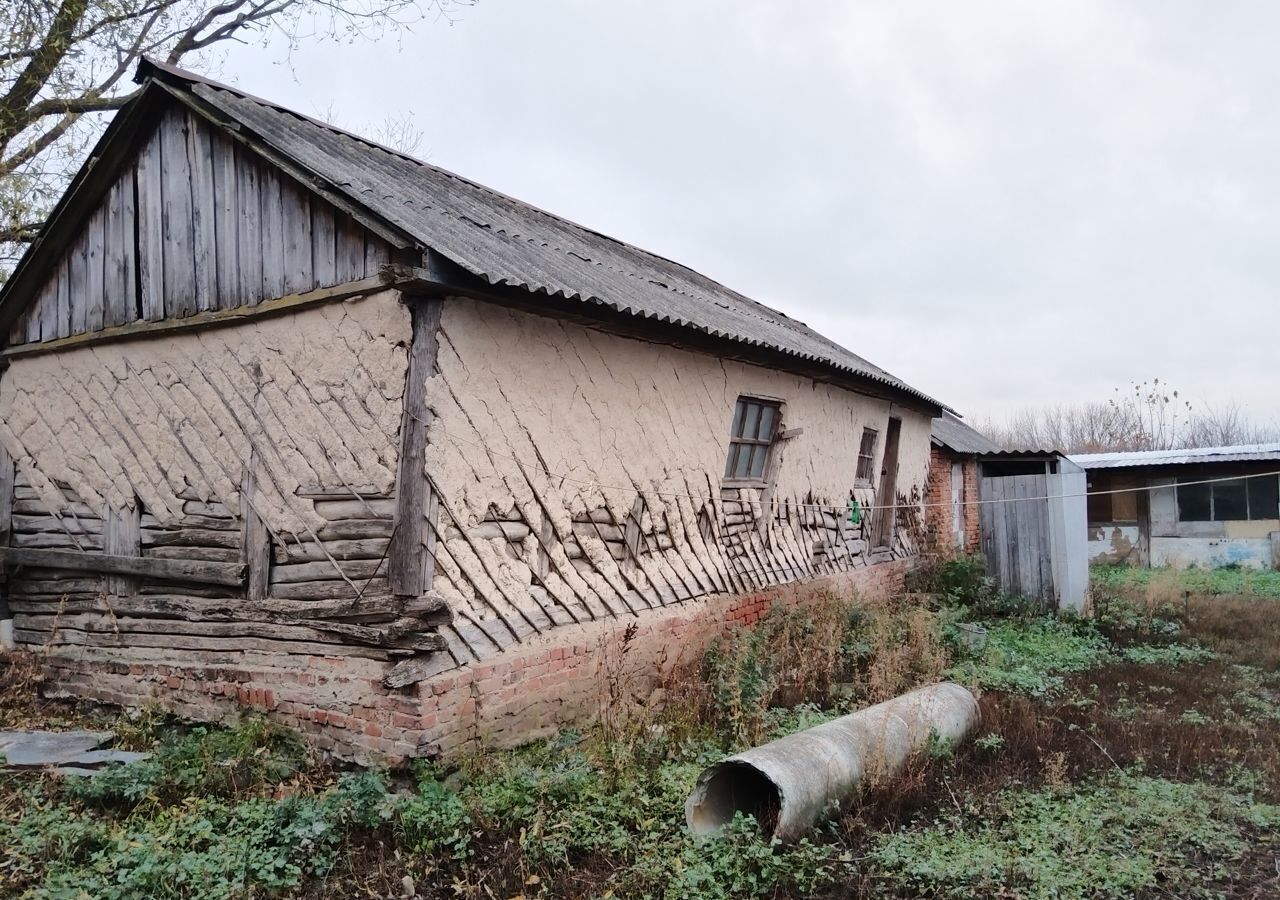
[(411, 559)]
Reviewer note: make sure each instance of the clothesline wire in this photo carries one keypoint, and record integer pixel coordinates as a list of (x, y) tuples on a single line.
[(834, 507)]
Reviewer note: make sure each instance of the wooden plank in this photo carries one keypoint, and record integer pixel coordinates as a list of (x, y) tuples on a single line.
[(204, 212), (76, 638), (78, 284), (226, 221), (310, 551), (212, 318), (95, 238), (63, 320), (323, 243), (256, 537), (271, 219), (425, 612), (148, 208), (230, 575), (191, 537), (358, 570), (296, 207), (633, 532), (349, 249), (179, 232), (117, 280), (248, 235), (122, 536), (46, 306), (329, 590), (356, 509), (410, 566), (6, 495)]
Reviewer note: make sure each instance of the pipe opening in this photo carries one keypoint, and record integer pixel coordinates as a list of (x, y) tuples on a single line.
[(733, 787)]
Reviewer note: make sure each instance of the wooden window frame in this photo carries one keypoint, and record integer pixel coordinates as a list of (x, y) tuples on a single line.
[(866, 478), (736, 441)]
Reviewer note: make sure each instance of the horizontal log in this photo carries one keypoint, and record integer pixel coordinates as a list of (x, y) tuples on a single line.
[(356, 570), (422, 612), (355, 492), (355, 529), (160, 587), (411, 671), (355, 509), (38, 507), (217, 523), (74, 638), (55, 588), (229, 574), (49, 523), (310, 551), (390, 635), (330, 590), (209, 509), (190, 537), (204, 554), (57, 539)]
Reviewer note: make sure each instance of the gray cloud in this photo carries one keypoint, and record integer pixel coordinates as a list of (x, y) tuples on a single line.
[(1005, 204)]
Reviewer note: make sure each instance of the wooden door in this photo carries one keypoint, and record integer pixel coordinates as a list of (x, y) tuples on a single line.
[(887, 496)]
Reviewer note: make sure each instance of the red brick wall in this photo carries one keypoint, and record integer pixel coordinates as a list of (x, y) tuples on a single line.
[(340, 704), (938, 498)]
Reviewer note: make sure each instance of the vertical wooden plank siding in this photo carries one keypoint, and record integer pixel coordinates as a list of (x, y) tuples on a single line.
[(410, 566), (323, 244), (271, 218), (63, 327), (255, 537), (226, 229), (117, 286), (122, 536), (150, 231), (194, 223), (203, 214), (78, 285), (248, 236), (95, 262), (179, 232)]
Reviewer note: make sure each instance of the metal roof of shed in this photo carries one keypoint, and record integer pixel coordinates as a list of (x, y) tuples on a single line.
[(1198, 455), (950, 432), (507, 242)]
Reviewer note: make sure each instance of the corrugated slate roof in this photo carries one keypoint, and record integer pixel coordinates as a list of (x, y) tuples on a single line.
[(1198, 455), (950, 432), (507, 242)]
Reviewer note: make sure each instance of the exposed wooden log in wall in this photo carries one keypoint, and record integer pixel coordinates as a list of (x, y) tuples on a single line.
[(256, 538), (228, 574), (6, 496), (411, 560), (122, 536)]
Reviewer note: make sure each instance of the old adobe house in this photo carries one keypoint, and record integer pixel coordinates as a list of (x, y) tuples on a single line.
[(292, 422)]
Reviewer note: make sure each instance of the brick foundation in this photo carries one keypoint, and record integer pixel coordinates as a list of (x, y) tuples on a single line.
[(341, 706)]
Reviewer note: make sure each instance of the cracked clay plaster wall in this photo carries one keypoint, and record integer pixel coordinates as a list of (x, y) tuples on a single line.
[(541, 420), (315, 395)]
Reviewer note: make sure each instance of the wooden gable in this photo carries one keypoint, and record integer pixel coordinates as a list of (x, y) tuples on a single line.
[(194, 221)]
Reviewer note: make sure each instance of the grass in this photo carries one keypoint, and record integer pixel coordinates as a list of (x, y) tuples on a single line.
[(1201, 582), (1133, 755)]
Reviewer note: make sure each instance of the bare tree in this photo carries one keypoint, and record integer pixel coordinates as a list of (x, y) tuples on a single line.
[(63, 63), (1145, 416)]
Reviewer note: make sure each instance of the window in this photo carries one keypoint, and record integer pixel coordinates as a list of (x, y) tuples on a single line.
[(867, 456), (755, 422), (1229, 501)]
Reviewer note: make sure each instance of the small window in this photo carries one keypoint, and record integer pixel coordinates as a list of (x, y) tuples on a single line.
[(867, 456), (755, 422), (1237, 500)]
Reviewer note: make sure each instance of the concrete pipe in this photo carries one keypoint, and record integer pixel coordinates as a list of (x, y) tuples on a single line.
[(792, 783)]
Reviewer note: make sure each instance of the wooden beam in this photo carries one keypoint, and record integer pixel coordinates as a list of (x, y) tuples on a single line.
[(255, 536), (6, 496), (228, 574), (387, 278), (411, 557)]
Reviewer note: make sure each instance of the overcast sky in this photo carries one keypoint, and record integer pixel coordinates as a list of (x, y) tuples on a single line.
[(1004, 204)]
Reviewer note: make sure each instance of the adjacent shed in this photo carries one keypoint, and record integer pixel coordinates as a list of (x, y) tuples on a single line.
[(953, 484), (1208, 506), (1032, 521)]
